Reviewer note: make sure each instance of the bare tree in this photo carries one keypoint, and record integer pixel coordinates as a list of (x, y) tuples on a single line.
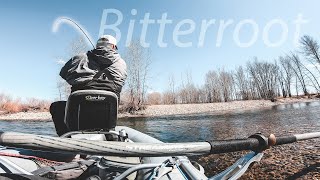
[(154, 98), (212, 86), (310, 48), (138, 62), (298, 70), (264, 76), (170, 95), (166, 98), (314, 81), (241, 83), (253, 90), (226, 83), (287, 75), (202, 95), (188, 92), (282, 82)]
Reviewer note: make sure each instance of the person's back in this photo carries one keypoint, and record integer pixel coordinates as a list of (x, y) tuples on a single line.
[(101, 68)]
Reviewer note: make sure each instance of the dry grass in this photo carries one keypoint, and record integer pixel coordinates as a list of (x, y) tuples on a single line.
[(10, 105)]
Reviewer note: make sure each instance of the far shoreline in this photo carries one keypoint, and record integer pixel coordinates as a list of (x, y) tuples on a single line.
[(219, 108), (176, 110)]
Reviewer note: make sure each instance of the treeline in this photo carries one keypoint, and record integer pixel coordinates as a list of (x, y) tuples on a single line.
[(293, 74)]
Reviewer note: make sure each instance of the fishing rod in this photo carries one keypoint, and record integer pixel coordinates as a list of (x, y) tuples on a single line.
[(256, 143), (78, 26)]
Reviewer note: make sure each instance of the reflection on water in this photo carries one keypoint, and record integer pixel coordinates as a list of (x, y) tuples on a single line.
[(281, 119)]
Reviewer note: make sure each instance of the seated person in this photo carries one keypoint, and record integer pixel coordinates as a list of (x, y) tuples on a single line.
[(101, 68)]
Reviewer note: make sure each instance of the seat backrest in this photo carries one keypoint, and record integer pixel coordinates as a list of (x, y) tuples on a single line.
[(91, 110)]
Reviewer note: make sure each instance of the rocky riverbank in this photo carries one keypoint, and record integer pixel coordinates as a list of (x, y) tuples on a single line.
[(292, 161), (177, 109)]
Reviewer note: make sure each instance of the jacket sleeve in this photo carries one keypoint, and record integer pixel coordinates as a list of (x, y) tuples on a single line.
[(76, 70)]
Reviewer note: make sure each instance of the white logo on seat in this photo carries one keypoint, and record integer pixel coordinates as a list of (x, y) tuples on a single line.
[(95, 98)]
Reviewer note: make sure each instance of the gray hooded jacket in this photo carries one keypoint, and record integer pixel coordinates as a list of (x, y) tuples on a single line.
[(81, 70)]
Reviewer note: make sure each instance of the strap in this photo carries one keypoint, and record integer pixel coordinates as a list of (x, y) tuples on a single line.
[(42, 171), (72, 165)]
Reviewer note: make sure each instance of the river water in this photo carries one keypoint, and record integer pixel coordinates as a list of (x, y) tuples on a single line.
[(281, 119)]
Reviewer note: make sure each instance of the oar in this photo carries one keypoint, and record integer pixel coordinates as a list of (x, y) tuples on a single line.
[(38, 142)]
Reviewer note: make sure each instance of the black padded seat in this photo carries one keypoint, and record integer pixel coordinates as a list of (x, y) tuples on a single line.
[(91, 110)]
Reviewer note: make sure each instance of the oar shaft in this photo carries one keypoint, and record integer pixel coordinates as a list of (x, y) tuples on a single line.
[(296, 137), (307, 136), (110, 148)]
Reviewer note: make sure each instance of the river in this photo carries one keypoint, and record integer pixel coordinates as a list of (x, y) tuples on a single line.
[(280, 119)]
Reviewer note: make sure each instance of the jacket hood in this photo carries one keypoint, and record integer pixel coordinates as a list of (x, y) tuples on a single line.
[(103, 55)]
